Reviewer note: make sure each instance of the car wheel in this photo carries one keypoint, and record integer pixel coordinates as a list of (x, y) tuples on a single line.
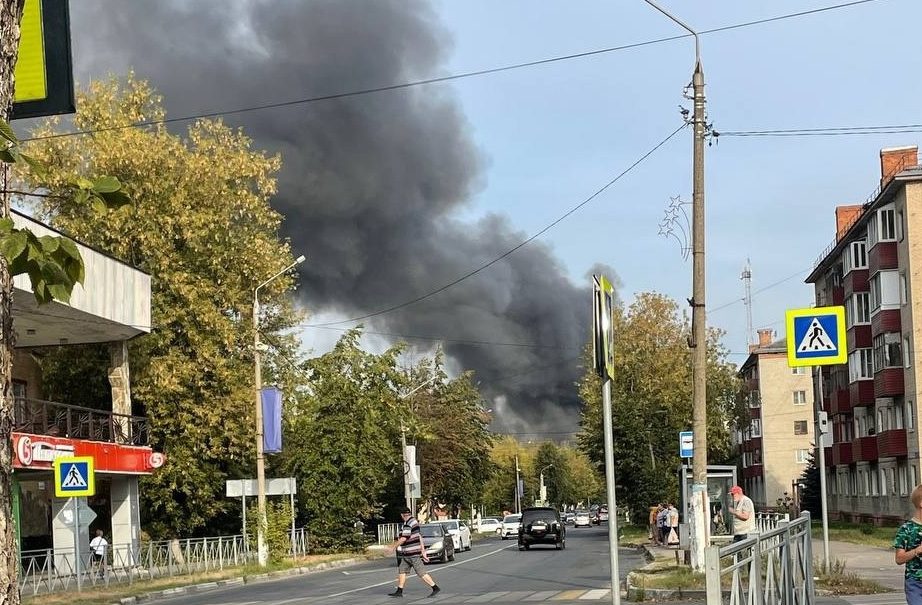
[(450, 557), (521, 548), (528, 547), (468, 545)]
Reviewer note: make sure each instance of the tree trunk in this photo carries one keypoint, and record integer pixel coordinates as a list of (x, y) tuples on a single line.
[(10, 15)]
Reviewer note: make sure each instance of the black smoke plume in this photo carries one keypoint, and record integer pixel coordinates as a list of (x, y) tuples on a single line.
[(371, 184)]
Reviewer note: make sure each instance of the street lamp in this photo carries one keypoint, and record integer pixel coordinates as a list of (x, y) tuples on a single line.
[(261, 523), (407, 493), (543, 491)]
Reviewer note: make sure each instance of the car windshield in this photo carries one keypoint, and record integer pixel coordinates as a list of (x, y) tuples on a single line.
[(431, 531), (530, 516), (450, 524), (512, 518)]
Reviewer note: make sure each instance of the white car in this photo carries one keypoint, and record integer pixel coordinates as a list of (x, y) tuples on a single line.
[(460, 533), (583, 519), (488, 525), (510, 526)]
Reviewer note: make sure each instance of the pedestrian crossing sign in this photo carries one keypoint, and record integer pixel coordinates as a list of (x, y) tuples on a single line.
[(816, 336), (74, 477)]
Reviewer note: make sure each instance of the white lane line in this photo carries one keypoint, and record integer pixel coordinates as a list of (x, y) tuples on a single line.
[(387, 582), (595, 594)]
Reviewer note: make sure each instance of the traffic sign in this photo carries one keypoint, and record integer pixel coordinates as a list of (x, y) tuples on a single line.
[(686, 444), (74, 477), (603, 346), (816, 336)]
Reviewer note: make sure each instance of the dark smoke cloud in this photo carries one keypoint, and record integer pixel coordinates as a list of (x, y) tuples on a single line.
[(370, 184)]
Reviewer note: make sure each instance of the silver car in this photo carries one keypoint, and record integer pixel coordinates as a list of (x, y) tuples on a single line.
[(509, 526)]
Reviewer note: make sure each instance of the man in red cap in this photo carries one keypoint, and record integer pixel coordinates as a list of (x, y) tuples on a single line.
[(744, 514)]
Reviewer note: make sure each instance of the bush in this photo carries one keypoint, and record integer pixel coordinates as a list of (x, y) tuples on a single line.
[(278, 528)]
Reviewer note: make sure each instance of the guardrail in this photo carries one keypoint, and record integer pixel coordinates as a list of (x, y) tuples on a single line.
[(767, 521), (774, 567), (63, 420), (57, 570)]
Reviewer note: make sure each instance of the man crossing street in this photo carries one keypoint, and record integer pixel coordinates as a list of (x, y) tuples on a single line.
[(412, 555)]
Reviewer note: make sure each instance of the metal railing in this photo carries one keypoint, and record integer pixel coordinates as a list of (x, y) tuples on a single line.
[(774, 567), (387, 532), (56, 570), (767, 521), (63, 420)]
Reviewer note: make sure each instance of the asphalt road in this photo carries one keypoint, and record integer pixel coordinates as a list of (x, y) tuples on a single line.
[(494, 571)]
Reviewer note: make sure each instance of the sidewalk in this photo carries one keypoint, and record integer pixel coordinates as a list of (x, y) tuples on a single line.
[(867, 562)]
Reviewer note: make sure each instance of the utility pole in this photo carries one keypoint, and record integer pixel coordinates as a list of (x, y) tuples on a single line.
[(746, 276), (818, 433), (699, 507), (406, 467), (518, 496)]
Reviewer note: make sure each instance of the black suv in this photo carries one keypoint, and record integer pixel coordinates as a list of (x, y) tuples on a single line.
[(542, 526)]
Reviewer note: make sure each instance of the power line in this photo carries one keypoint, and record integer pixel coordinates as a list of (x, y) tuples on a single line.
[(512, 250), (824, 132), (760, 290), (449, 78)]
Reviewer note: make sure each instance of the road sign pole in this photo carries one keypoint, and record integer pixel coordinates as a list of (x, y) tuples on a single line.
[(610, 492), (78, 567), (821, 453)]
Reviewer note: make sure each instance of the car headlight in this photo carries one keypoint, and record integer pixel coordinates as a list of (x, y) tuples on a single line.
[(438, 545)]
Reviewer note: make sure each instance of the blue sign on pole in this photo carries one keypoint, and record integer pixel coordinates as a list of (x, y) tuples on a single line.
[(686, 444)]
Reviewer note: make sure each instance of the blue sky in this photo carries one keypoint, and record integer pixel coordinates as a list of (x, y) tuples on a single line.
[(553, 134)]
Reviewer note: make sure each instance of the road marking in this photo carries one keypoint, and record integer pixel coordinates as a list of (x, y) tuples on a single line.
[(567, 595), (486, 597), (541, 596), (518, 596), (595, 594), (391, 582)]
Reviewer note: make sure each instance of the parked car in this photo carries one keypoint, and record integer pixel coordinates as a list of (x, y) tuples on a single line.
[(460, 532), (509, 526), (439, 544), (488, 525), (582, 519), (541, 525), (603, 514)]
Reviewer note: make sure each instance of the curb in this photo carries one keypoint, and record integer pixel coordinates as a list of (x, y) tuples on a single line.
[(238, 581)]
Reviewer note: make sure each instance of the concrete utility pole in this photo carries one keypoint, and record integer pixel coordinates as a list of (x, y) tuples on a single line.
[(518, 497), (818, 434), (407, 471), (262, 550), (699, 507)]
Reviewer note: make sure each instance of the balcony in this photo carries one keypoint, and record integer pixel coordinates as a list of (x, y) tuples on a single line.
[(752, 384), (841, 453), (753, 470), (39, 417), (888, 382), (864, 449), (855, 281), (839, 402), (861, 393), (882, 256), (885, 320), (858, 337), (838, 295), (892, 443)]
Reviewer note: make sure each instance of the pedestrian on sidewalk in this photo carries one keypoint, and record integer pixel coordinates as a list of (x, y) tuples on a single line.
[(98, 547), (744, 514), (672, 518), (908, 545), (412, 555), (652, 523), (662, 524)]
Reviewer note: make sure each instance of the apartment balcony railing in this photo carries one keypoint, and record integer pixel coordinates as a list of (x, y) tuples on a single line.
[(892, 443), (40, 417)]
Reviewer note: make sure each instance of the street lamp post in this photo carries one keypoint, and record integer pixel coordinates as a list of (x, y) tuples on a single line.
[(543, 491), (699, 508), (262, 550), (407, 493)]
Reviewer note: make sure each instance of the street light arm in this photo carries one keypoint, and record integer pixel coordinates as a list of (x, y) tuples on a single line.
[(683, 26), (297, 262)]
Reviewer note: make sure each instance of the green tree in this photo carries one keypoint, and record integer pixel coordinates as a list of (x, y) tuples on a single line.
[(450, 430), (651, 401), (810, 493), (202, 225), (557, 480), (499, 490), (342, 439)]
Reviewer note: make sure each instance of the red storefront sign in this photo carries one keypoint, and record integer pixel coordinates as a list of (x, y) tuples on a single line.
[(39, 452)]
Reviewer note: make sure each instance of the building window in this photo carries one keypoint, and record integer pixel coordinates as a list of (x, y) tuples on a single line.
[(875, 482), (887, 351), (909, 415), (914, 472), (860, 365), (799, 371), (904, 481), (756, 427), (885, 290), (874, 285), (883, 482), (887, 225), (900, 226), (856, 256), (904, 292), (800, 427), (757, 456), (801, 456), (800, 397), (907, 352)]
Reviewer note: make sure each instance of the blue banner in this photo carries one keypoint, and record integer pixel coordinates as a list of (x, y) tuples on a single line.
[(272, 420)]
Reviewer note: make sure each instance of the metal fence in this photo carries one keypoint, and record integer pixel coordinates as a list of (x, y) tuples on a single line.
[(56, 570), (768, 521), (387, 532), (76, 422), (772, 567)]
